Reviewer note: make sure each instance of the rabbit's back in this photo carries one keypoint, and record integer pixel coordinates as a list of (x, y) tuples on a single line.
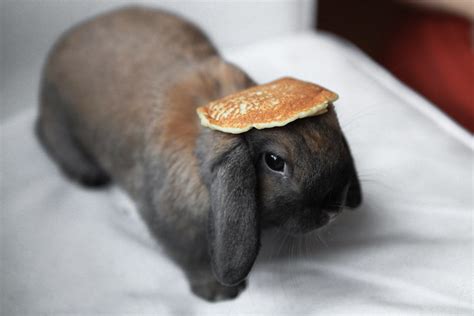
[(111, 75)]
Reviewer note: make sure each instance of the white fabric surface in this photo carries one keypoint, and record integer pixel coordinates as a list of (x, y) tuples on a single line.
[(407, 251)]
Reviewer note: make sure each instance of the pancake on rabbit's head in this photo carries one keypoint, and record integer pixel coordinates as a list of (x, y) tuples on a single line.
[(276, 103)]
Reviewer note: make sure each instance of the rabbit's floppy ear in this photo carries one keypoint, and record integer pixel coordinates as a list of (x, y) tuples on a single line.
[(233, 231), (354, 192)]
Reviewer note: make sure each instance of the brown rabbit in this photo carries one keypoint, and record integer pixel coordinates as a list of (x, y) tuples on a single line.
[(118, 102)]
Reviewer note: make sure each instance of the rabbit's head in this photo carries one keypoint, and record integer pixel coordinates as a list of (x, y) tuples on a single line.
[(296, 177), (305, 173)]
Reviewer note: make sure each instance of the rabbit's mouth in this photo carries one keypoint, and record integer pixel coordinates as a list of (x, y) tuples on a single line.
[(333, 216), (304, 224)]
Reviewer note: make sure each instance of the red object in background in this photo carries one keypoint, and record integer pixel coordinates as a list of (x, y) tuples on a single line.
[(434, 55)]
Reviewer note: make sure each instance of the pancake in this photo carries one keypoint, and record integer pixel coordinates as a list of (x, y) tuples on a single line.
[(273, 104)]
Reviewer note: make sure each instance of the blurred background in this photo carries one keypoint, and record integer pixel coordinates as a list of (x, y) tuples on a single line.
[(427, 44)]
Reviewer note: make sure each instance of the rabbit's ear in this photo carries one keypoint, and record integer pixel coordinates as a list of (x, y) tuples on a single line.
[(233, 231), (354, 192)]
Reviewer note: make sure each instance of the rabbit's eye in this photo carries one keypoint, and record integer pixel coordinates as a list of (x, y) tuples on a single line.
[(274, 162)]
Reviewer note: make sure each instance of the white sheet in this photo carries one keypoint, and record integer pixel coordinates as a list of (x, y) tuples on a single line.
[(408, 250)]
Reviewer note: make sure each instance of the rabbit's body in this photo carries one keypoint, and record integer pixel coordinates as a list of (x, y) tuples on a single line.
[(118, 102), (111, 80), (118, 99)]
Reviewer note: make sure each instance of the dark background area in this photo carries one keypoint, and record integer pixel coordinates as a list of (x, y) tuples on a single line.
[(365, 23), (429, 49)]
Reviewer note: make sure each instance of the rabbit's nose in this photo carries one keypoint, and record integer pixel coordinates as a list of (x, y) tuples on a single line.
[(334, 200), (332, 205)]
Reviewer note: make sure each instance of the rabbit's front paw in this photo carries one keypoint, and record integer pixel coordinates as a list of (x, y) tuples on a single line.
[(213, 291)]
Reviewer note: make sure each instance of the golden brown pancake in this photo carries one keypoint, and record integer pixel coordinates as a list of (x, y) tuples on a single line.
[(276, 103)]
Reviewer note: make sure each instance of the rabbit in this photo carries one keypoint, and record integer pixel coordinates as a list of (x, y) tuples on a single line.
[(118, 101)]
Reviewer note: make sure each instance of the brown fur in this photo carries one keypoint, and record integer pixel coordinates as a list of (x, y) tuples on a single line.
[(118, 100)]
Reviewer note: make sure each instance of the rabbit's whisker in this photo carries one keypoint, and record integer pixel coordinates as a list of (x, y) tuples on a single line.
[(322, 240)]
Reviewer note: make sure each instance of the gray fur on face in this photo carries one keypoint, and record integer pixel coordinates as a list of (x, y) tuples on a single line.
[(117, 104)]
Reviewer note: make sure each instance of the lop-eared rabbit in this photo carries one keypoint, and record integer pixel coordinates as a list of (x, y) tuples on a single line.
[(118, 103)]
